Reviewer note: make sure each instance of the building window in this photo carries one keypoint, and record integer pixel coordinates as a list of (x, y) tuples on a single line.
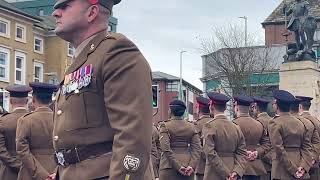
[(41, 12), (20, 66), (38, 72), (4, 64), (4, 27), (38, 45), (71, 50), (4, 99), (20, 33), (109, 28), (172, 86)]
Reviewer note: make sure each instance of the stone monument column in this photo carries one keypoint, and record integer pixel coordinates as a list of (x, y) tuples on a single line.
[(302, 78)]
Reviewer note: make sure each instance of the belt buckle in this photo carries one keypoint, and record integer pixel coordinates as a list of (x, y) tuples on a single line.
[(60, 158)]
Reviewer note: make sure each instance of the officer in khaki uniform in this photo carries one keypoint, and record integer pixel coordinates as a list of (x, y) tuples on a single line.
[(11, 164), (257, 140), (304, 106), (102, 119), (260, 111), (290, 142), (34, 136), (180, 145), (204, 116), (223, 143)]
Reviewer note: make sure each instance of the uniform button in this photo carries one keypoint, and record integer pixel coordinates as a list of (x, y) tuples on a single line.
[(76, 91), (55, 138), (59, 112)]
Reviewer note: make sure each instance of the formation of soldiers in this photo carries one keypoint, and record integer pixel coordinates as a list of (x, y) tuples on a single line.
[(252, 146)]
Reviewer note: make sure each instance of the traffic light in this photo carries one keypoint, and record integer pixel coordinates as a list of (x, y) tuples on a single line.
[(155, 96)]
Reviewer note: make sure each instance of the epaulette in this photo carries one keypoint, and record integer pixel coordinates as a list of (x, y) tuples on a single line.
[(27, 114), (4, 114)]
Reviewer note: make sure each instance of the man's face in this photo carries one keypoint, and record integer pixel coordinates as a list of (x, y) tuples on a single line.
[(70, 18)]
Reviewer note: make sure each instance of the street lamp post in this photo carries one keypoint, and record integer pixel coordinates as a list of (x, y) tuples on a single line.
[(180, 85), (245, 30)]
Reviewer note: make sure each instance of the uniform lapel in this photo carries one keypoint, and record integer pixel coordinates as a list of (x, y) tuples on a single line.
[(83, 56)]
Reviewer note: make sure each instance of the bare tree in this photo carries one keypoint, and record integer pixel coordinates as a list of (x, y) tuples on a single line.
[(235, 66)]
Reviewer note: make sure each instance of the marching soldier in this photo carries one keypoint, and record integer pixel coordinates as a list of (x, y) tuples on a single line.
[(260, 109), (11, 164), (204, 116), (257, 140), (223, 143), (34, 136), (304, 106), (102, 119), (291, 145), (180, 145)]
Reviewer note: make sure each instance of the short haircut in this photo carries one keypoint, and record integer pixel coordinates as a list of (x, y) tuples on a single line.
[(43, 98), (204, 110), (244, 109), (294, 107), (262, 107), (177, 110), (283, 107), (220, 107), (305, 105)]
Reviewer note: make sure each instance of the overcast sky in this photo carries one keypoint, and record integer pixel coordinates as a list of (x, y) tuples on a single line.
[(161, 29)]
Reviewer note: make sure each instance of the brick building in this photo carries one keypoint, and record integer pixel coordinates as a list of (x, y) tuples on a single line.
[(168, 90)]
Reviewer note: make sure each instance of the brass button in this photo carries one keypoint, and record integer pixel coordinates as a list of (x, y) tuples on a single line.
[(59, 112), (76, 91), (55, 138)]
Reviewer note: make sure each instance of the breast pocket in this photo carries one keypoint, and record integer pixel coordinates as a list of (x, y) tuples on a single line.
[(84, 109)]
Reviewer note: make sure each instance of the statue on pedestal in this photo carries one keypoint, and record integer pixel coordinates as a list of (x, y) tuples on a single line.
[(304, 26)]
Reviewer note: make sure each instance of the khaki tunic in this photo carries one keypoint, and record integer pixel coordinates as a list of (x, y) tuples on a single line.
[(11, 164), (202, 161), (256, 140), (114, 108), (314, 172), (224, 147), (155, 154), (34, 144), (180, 145), (291, 145)]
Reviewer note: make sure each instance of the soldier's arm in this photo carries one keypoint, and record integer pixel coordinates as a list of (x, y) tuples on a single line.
[(212, 157), (166, 149), (127, 95), (32, 165), (306, 150), (275, 131), (265, 145), (240, 155), (5, 156), (195, 151), (154, 157), (316, 143)]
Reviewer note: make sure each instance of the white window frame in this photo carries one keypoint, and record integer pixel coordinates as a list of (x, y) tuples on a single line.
[(41, 46), (73, 50), (24, 33), (38, 64), (7, 34), (23, 57), (7, 65), (5, 101)]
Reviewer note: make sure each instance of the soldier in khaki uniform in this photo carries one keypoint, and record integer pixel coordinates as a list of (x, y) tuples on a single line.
[(180, 145), (223, 143), (11, 164), (304, 106), (260, 111), (204, 116), (102, 119), (257, 140), (34, 136), (291, 145), (155, 151)]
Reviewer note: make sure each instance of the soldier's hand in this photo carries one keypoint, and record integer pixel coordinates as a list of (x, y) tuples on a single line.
[(189, 171), (233, 176), (300, 172), (51, 177), (182, 171)]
